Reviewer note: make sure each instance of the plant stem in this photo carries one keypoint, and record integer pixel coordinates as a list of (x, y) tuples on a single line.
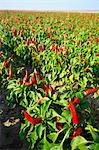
[(64, 137)]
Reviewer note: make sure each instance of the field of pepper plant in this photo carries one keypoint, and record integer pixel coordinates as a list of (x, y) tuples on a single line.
[(49, 66)]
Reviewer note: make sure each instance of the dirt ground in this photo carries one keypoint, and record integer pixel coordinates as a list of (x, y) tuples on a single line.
[(10, 125)]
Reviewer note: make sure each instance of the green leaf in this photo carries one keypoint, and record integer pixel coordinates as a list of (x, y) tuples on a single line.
[(61, 102), (49, 93), (54, 136), (33, 138), (94, 132), (71, 78), (62, 74), (62, 119), (77, 141), (44, 145), (32, 94), (53, 125), (39, 130), (85, 81), (22, 131), (45, 106), (31, 129), (56, 147), (21, 135), (83, 147), (67, 115), (54, 97), (49, 76), (54, 113), (94, 146)]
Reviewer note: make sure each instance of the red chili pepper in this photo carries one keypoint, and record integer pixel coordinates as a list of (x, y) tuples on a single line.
[(89, 40), (39, 77), (34, 41), (66, 51), (76, 100), (73, 41), (51, 89), (1, 54), (26, 77), (26, 73), (97, 40), (60, 49), (76, 132), (39, 101), (6, 64), (69, 106), (28, 42), (38, 74), (57, 49), (1, 41), (14, 31), (69, 29), (20, 82), (36, 51), (45, 95), (10, 72), (25, 80), (46, 88), (20, 32), (56, 118), (97, 54), (28, 84), (31, 119), (80, 42), (33, 79), (89, 91), (50, 36), (42, 47), (52, 47), (59, 125), (86, 69), (12, 56), (75, 118)]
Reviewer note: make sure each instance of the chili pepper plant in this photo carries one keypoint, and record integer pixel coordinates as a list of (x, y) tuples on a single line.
[(49, 65)]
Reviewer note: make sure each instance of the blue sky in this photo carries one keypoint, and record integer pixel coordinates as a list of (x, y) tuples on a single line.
[(50, 4)]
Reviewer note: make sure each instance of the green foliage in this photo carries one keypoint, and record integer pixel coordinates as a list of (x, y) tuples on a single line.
[(61, 50)]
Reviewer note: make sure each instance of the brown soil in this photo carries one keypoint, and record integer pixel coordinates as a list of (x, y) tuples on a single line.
[(9, 127)]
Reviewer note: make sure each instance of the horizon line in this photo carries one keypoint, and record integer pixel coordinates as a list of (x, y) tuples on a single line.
[(45, 10)]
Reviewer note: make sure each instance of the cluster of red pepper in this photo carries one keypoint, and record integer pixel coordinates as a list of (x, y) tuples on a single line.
[(6, 65), (75, 117), (64, 46), (33, 41), (33, 79), (56, 48), (71, 107)]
